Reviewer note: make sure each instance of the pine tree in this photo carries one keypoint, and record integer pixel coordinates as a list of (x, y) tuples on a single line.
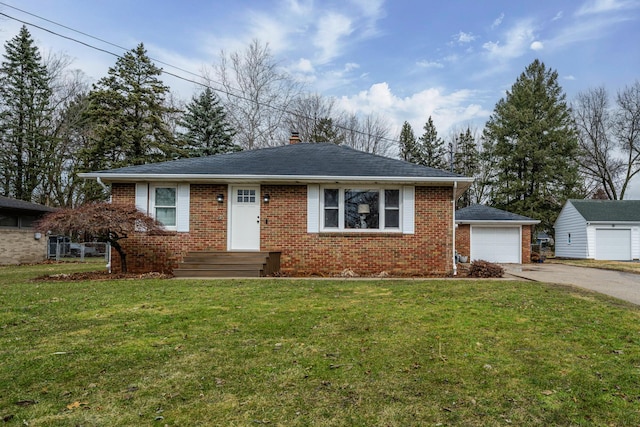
[(408, 144), (533, 142), (466, 162), (431, 151), (207, 130), (129, 115), (325, 130), (25, 117)]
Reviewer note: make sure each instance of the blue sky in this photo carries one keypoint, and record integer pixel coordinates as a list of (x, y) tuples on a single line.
[(403, 60)]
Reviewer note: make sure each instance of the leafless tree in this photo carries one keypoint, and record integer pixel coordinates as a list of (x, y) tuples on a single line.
[(306, 114), (609, 139), (626, 128), (61, 187), (256, 95), (369, 133)]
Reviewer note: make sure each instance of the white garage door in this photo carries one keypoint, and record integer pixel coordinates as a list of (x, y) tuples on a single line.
[(496, 244), (613, 244)]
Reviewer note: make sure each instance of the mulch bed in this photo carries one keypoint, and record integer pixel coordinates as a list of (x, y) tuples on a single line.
[(99, 275)]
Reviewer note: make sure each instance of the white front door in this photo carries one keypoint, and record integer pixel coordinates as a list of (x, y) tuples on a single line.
[(244, 227)]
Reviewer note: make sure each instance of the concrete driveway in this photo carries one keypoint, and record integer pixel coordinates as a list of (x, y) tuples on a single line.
[(625, 286)]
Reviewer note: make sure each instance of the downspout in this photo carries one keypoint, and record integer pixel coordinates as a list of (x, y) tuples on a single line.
[(453, 208), (106, 189)]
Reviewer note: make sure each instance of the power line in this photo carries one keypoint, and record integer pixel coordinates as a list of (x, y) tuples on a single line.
[(198, 83)]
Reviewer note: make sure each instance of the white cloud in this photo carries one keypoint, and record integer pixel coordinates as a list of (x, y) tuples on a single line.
[(558, 16), (447, 109), (270, 30), (537, 45), (517, 41), (496, 22), (603, 6), (585, 30), (350, 66), (429, 64), (463, 37), (304, 66), (569, 77), (332, 27)]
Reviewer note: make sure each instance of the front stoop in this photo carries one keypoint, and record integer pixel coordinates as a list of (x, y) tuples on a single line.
[(228, 264)]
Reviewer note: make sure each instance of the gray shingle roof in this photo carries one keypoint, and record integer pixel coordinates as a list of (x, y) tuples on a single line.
[(323, 159), (608, 210), (21, 205), (479, 213)]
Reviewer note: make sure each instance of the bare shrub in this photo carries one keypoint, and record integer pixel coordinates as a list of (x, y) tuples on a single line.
[(485, 269)]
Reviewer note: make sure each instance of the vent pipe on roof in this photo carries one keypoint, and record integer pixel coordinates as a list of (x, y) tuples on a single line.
[(294, 138)]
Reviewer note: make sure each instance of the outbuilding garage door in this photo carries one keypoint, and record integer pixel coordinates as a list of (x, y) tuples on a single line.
[(496, 244), (613, 244)]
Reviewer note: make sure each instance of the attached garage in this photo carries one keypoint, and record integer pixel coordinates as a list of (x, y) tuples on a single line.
[(493, 235), (613, 244)]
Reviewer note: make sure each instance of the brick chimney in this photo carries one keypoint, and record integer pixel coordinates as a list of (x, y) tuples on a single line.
[(294, 138)]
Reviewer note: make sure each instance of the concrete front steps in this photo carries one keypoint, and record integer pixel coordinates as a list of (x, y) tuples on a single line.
[(214, 264)]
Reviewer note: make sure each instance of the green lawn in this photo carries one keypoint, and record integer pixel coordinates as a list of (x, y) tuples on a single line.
[(626, 266), (312, 352)]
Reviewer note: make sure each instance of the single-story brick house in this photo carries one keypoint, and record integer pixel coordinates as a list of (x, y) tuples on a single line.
[(493, 235), (322, 208), (19, 243), (599, 229)]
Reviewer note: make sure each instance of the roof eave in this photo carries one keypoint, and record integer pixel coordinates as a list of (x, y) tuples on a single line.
[(497, 222), (463, 182), (605, 222)]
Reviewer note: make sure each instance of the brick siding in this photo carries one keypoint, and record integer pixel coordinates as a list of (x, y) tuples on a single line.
[(428, 252), (18, 246), (463, 240)]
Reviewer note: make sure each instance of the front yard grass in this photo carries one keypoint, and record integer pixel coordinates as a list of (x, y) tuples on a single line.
[(313, 352), (625, 266)]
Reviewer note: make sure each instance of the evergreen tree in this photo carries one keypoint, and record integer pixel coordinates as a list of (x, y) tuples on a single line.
[(533, 142), (466, 162), (408, 144), (129, 115), (325, 130), (207, 129), (431, 151), (25, 117)]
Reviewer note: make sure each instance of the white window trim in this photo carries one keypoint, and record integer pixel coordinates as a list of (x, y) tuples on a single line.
[(145, 202), (381, 211), (152, 202)]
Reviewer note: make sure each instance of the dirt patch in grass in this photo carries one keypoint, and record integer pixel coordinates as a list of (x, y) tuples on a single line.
[(98, 275)]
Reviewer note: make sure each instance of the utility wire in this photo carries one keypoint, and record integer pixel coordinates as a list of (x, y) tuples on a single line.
[(198, 83), (88, 35)]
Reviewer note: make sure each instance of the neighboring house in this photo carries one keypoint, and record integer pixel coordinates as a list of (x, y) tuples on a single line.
[(323, 208), (19, 243), (599, 229), (493, 235)]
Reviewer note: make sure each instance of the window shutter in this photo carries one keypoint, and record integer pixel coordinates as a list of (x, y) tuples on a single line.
[(142, 197), (408, 210), (182, 208), (313, 208)]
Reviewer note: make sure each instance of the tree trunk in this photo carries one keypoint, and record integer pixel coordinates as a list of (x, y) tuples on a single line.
[(123, 256)]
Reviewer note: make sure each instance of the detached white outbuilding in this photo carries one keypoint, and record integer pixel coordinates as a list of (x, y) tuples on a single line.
[(599, 229)]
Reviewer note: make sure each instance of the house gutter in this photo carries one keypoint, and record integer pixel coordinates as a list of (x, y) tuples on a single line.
[(277, 179), (453, 210)]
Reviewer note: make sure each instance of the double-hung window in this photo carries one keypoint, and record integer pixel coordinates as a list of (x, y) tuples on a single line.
[(164, 205), (354, 209)]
